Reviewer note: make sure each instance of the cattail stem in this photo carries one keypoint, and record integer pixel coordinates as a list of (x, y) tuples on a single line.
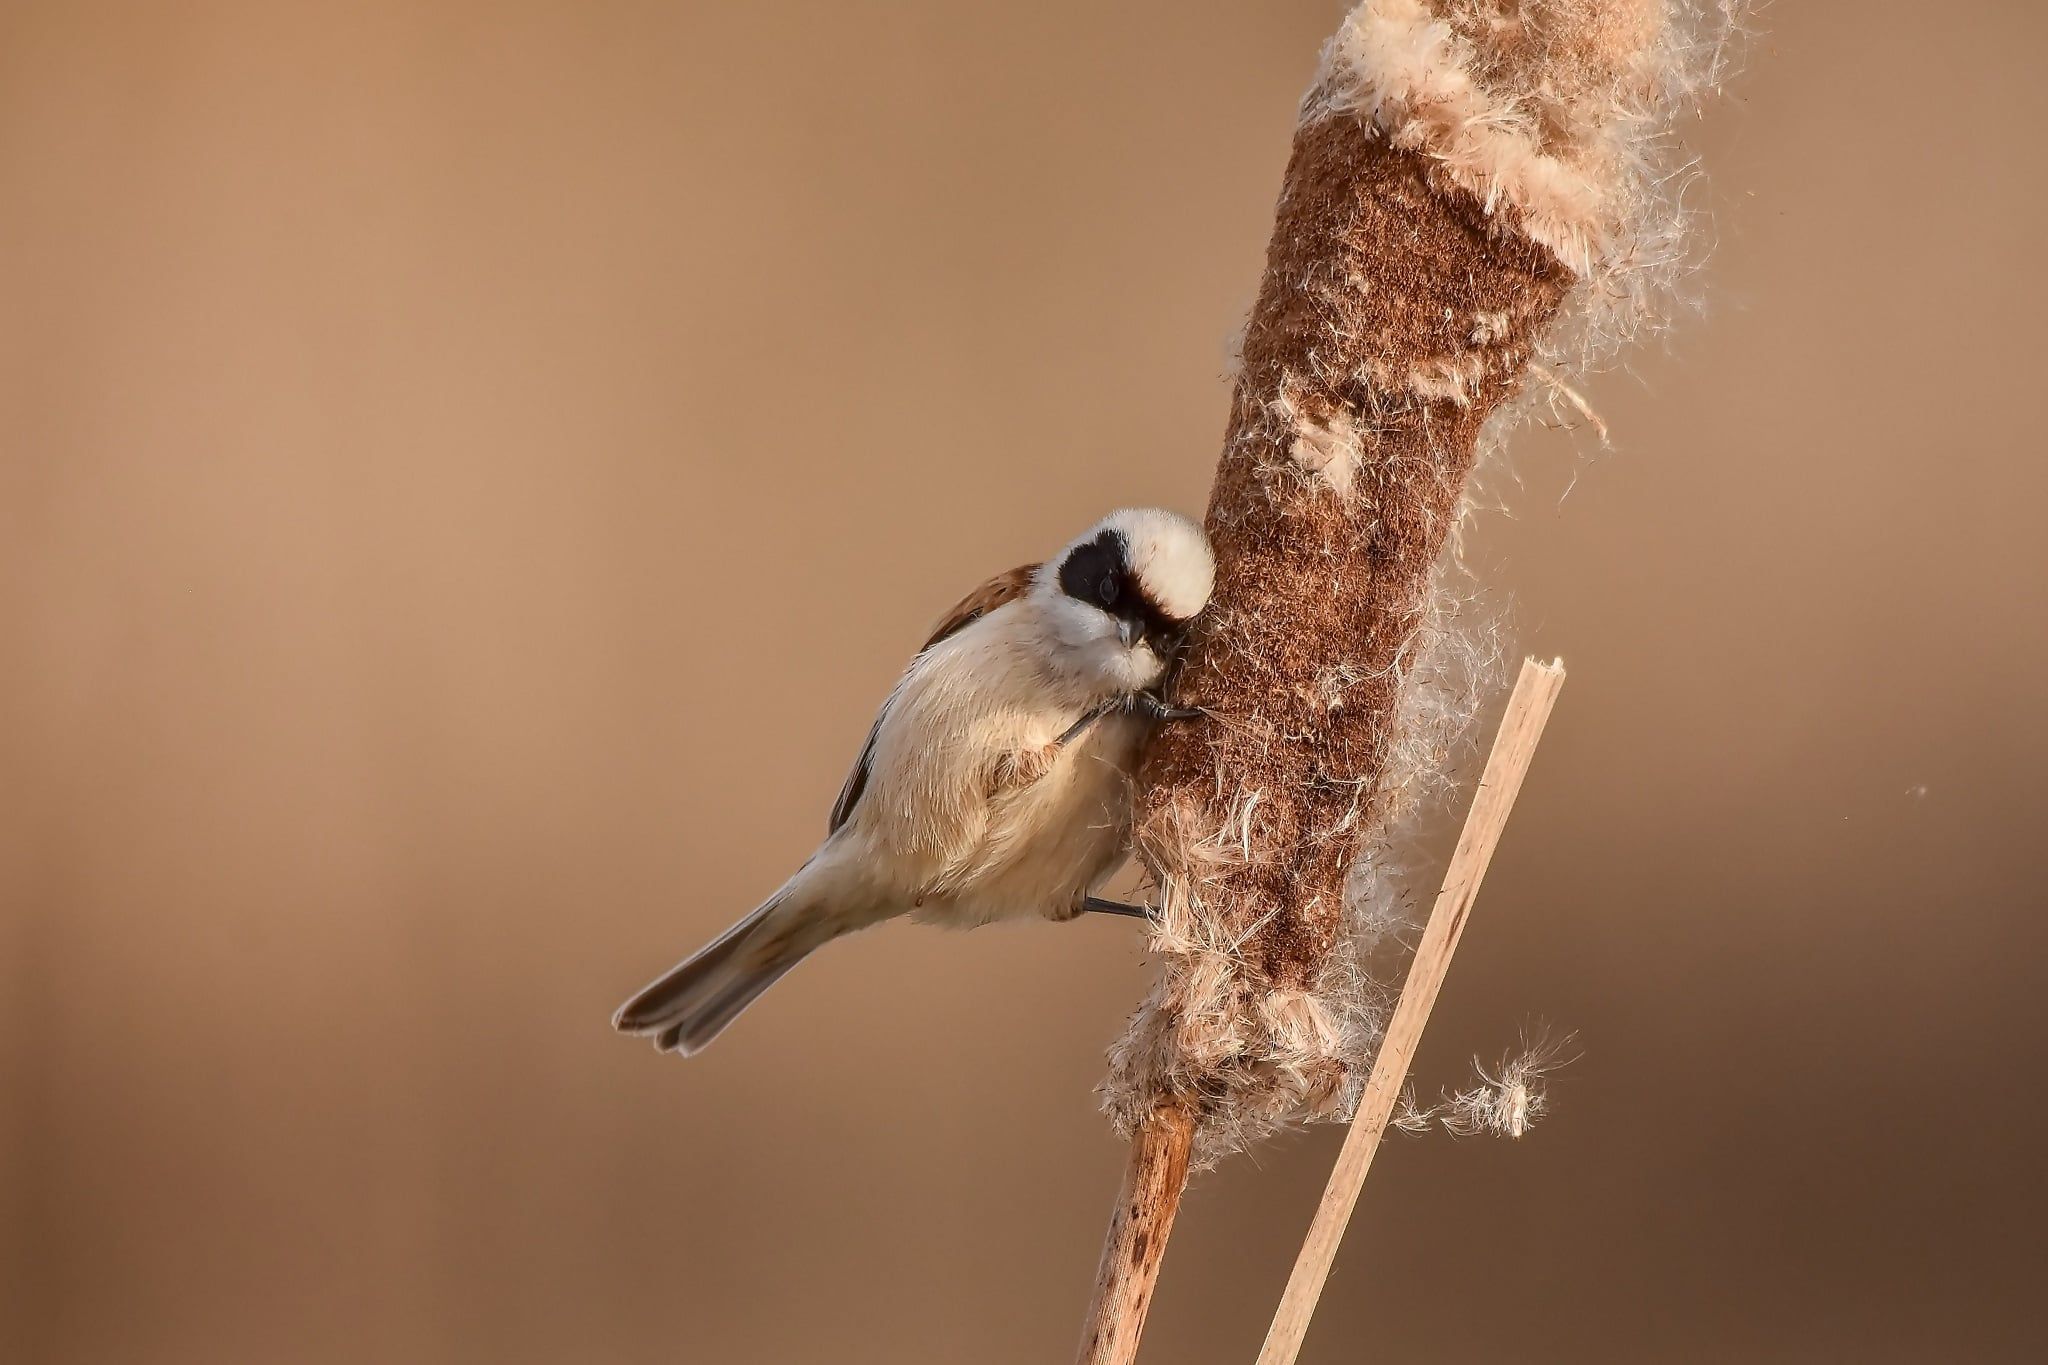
[(1513, 747), (1136, 1243)]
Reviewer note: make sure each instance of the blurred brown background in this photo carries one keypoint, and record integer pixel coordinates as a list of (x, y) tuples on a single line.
[(470, 472)]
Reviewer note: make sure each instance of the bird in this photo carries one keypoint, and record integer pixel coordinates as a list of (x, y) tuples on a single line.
[(997, 780)]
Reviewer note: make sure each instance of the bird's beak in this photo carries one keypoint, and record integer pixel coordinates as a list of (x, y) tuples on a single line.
[(1128, 631)]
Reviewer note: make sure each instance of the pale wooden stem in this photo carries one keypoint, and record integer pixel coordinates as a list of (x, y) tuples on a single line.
[(1136, 1242), (1528, 708)]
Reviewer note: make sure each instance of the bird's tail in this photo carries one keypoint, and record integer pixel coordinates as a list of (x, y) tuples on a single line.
[(692, 1002)]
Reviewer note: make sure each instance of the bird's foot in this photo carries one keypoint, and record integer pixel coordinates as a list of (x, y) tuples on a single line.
[(1084, 724), (1097, 905), (1152, 708)]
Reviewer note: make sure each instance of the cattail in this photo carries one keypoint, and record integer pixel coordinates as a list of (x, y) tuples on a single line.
[(1480, 192)]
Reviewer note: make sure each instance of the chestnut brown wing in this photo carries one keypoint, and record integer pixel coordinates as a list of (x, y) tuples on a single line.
[(1004, 587)]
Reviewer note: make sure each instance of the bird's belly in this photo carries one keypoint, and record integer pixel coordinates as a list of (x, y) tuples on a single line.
[(1050, 842)]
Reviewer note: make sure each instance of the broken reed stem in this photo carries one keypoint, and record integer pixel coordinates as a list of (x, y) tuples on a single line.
[(1513, 747), (1136, 1243)]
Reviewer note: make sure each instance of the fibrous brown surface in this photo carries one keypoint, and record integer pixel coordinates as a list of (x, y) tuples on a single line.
[(1320, 590), (1395, 315), (1465, 173)]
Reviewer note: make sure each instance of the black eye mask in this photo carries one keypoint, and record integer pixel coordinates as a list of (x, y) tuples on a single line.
[(1098, 572)]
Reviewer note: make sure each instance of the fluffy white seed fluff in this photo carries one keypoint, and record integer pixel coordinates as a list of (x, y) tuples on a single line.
[(1583, 152), (1505, 1100)]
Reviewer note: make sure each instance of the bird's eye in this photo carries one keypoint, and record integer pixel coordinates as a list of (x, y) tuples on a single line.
[(1108, 590)]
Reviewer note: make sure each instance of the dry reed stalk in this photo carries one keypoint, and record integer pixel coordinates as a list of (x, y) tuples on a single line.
[(1513, 748), (1138, 1229)]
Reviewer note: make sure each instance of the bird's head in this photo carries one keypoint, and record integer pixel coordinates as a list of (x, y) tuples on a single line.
[(1124, 594)]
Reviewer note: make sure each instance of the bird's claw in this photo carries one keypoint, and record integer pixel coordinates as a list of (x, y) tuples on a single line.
[(1154, 709), (1097, 905)]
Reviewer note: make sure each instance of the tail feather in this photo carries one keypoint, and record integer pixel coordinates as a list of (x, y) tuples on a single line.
[(694, 1031), (690, 1004), (669, 995)]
